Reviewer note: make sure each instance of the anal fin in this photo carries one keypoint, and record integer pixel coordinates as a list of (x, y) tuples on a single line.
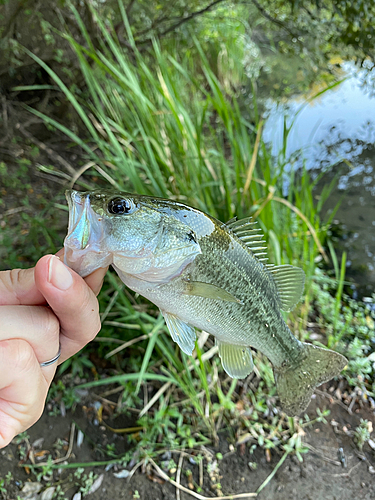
[(237, 360), (182, 333)]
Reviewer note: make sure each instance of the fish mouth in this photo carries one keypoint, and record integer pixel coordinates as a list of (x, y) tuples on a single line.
[(83, 244), (79, 220)]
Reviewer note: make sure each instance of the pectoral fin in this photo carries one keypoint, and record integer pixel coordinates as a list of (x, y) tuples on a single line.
[(208, 291), (182, 333), (237, 360)]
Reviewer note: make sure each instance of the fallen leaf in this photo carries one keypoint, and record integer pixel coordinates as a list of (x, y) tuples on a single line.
[(30, 487), (80, 437), (244, 438), (48, 493), (38, 443), (96, 484), (30, 491), (155, 479), (122, 474)]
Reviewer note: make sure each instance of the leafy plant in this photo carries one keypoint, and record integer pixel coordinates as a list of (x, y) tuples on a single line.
[(362, 433)]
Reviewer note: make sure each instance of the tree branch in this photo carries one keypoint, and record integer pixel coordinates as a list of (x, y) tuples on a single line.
[(184, 20), (272, 19)]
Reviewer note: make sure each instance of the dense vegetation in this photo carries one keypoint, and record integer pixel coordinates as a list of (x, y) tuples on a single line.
[(162, 99)]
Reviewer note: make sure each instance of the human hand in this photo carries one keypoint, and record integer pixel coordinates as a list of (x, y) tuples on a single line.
[(40, 308)]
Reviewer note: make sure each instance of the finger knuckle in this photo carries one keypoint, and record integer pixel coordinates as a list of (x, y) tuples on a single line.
[(21, 353), (45, 321), (10, 283)]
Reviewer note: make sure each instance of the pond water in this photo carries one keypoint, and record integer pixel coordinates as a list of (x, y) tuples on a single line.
[(337, 132)]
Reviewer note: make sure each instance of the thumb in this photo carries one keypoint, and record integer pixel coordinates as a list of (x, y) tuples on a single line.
[(73, 302)]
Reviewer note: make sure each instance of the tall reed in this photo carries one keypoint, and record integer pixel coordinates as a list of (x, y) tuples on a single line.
[(156, 128), (151, 126)]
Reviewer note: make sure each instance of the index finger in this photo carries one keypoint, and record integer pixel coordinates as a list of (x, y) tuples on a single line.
[(17, 286)]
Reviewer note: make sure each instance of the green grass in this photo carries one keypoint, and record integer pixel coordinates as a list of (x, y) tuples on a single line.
[(152, 127), (166, 132)]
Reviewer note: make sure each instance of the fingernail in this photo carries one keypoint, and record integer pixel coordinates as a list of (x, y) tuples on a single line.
[(58, 274)]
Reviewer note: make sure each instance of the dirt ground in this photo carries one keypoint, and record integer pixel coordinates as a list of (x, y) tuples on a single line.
[(333, 469)]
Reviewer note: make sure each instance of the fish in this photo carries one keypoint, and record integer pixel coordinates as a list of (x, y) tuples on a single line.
[(206, 274)]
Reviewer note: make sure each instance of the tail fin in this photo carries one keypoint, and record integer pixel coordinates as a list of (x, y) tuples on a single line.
[(296, 384)]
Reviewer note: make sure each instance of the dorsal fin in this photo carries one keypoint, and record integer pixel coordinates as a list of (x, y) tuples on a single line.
[(248, 233), (290, 281), (231, 221), (235, 224)]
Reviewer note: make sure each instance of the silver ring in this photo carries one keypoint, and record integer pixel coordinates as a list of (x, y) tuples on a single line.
[(53, 360)]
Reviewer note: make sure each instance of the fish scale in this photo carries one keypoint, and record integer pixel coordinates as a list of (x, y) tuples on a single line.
[(205, 274), (241, 324)]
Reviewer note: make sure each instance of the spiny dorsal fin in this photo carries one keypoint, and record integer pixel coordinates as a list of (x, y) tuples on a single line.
[(235, 224), (231, 221), (290, 281), (248, 233)]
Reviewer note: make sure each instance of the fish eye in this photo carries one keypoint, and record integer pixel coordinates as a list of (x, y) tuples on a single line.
[(119, 206)]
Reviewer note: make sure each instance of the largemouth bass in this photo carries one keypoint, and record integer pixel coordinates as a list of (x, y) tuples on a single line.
[(205, 274)]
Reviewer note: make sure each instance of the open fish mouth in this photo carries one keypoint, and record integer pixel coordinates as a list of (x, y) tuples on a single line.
[(80, 220), (84, 252)]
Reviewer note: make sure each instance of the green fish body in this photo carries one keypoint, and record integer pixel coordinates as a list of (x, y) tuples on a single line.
[(205, 274)]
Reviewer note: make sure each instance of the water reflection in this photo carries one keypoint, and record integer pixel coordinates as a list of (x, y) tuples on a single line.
[(356, 189), (337, 133)]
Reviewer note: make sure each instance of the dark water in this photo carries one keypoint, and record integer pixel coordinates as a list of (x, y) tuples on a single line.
[(337, 132)]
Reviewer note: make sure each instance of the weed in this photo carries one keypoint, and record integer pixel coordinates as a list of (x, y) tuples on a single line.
[(129, 397), (84, 481), (59, 445), (3, 490), (60, 394), (111, 450), (59, 493), (4, 482), (362, 433), (352, 331), (295, 445), (169, 465), (77, 364), (22, 437), (45, 471)]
